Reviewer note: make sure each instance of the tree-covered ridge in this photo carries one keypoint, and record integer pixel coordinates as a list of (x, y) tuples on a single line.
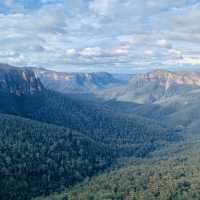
[(38, 158), (169, 174), (147, 183)]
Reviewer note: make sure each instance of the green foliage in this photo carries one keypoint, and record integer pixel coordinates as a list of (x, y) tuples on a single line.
[(38, 158), (172, 173)]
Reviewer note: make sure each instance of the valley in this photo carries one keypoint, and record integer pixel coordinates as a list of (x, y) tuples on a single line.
[(59, 143), (99, 100)]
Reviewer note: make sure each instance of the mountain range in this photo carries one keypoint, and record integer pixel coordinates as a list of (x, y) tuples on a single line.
[(76, 82), (147, 88), (58, 128), (52, 140), (154, 86)]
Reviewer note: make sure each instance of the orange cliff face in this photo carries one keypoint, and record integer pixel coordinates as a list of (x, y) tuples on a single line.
[(54, 75), (167, 78), (78, 79)]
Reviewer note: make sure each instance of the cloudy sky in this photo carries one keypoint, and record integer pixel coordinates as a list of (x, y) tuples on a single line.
[(100, 35)]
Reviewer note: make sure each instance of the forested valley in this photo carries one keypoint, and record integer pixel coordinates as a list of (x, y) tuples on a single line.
[(59, 146), (99, 100)]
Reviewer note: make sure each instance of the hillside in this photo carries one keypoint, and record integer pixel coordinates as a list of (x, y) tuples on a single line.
[(136, 134), (38, 158), (172, 173), (179, 112)]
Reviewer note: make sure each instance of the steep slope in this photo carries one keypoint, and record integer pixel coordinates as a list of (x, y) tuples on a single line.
[(185, 113), (154, 86), (18, 81), (180, 112), (38, 158), (75, 82)]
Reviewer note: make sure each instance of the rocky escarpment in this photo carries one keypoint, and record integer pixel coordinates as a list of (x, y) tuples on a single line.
[(18, 81), (75, 82), (167, 79), (154, 86)]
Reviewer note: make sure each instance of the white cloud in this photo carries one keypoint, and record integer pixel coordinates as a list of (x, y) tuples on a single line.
[(163, 43), (149, 52), (50, 18), (102, 7), (104, 53), (91, 51), (175, 53), (190, 60), (71, 52), (121, 50), (8, 53)]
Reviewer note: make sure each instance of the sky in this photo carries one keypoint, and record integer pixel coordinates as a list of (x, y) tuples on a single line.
[(100, 35)]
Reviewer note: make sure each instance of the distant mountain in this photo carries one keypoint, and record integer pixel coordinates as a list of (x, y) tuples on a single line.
[(18, 81), (123, 77), (169, 97), (154, 86), (172, 98), (75, 82)]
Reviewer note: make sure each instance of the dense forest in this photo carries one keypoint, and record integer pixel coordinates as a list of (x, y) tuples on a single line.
[(172, 173), (38, 158)]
